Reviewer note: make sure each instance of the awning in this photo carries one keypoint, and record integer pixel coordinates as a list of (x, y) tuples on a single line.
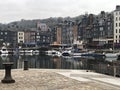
[(30, 43)]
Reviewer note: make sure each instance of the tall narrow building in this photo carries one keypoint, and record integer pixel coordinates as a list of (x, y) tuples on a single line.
[(117, 24)]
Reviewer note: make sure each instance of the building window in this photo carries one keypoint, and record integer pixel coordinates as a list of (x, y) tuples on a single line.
[(119, 24), (116, 24), (116, 30), (38, 40), (116, 13), (38, 37), (20, 37), (43, 37), (5, 33), (116, 18), (37, 33), (32, 33), (119, 18), (116, 36), (43, 40), (108, 23), (119, 30), (101, 28), (21, 41), (1, 33), (20, 33)]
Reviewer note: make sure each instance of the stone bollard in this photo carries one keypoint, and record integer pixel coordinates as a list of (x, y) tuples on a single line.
[(25, 65), (8, 77)]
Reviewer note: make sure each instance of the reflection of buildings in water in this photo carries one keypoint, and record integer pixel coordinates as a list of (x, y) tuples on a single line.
[(87, 62), (4, 57), (20, 62), (97, 64), (78, 64), (45, 62), (111, 59), (72, 62), (31, 61), (8, 58), (57, 62), (88, 57)]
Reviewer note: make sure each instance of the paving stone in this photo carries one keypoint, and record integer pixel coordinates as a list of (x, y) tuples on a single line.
[(44, 79)]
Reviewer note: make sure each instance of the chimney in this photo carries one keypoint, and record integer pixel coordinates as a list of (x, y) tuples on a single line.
[(102, 12), (118, 7)]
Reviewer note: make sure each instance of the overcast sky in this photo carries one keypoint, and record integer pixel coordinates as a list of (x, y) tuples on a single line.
[(14, 10)]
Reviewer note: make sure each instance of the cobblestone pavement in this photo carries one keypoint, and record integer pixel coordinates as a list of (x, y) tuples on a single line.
[(43, 79)]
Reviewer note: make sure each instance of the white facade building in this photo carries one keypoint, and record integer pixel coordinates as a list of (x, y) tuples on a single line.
[(20, 37), (117, 24)]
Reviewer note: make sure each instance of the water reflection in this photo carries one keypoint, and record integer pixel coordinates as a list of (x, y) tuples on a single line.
[(111, 59), (43, 61), (100, 64)]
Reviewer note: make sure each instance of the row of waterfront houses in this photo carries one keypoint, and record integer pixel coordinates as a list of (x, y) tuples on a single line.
[(93, 31), (39, 36)]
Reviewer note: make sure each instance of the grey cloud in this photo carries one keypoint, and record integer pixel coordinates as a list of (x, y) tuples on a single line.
[(31, 9)]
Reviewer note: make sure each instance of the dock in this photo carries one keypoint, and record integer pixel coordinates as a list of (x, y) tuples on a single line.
[(58, 79)]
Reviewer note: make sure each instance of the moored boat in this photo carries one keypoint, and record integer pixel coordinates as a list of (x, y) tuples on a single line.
[(111, 55), (4, 50), (53, 53), (66, 53), (93, 54), (35, 52), (28, 51)]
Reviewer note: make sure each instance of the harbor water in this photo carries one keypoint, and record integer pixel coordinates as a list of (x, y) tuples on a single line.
[(110, 66)]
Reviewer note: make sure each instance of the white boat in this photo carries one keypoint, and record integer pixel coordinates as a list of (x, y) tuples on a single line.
[(53, 53), (21, 51), (67, 53), (77, 54), (28, 51), (111, 55), (4, 50), (35, 52)]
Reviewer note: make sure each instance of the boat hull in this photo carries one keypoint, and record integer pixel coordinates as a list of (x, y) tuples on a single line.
[(111, 55)]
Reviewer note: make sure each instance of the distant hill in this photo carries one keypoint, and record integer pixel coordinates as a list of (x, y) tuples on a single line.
[(28, 24)]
